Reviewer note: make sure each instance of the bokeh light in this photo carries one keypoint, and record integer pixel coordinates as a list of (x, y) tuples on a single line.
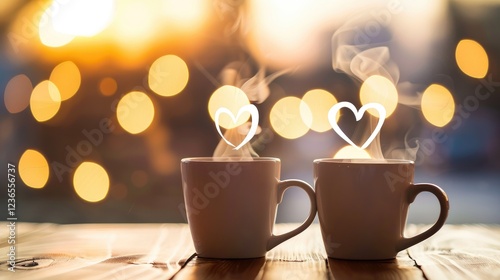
[(379, 89), (438, 105), (471, 58), (168, 75), (278, 30), (288, 120), (17, 93), (128, 32), (45, 101), (108, 86), (81, 17), (91, 181), (232, 98), (49, 36), (66, 76), (319, 102), (135, 23), (33, 169), (186, 14), (135, 112), (350, 152)]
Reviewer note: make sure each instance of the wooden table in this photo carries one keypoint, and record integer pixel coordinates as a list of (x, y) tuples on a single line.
[(165, 251)]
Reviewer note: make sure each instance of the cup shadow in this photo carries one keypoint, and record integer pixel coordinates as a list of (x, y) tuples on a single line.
[(207, 268), (379, 269)]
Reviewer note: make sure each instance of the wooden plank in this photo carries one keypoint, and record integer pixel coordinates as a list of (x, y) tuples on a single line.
[(302, 257), (202, 268), (459, 252), (98, 251), (400, 268), (159, 251)]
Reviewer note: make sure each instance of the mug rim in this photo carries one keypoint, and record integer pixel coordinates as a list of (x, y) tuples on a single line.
[(357, 161), (229, 159)]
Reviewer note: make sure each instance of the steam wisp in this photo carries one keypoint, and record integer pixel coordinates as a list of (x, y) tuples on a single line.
[(360, 56)]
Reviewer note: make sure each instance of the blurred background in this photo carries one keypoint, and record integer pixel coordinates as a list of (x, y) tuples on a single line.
[(101, 99)]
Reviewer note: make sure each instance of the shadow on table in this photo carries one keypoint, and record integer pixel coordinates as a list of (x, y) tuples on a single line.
[(386, 269), (205, 268)]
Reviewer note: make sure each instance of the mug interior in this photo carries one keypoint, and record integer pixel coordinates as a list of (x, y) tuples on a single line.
[(229, 159), (363, 161)]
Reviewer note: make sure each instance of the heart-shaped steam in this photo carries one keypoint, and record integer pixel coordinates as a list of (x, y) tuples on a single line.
[(253, 128), (332, 114)]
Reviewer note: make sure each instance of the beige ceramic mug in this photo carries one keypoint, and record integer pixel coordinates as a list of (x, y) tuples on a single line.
[(231, 205), (363, 206)]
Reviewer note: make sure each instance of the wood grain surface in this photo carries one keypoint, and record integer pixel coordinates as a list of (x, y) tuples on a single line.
[(302, 257), (459, 252), (165, 251), (97, 251)]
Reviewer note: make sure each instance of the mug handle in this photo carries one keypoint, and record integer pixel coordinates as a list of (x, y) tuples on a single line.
[(413, 191), (282, 187)]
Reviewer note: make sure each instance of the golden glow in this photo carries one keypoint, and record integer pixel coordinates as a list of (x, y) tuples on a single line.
[(378, 89), (232, 98), (136, 23), (33, 169), (66, 76), (278, 31), (17, 94), (49, 36), (187, 13), (108, 86), (139, 25), (438, 105), (286, 117), (91, 182), (81, 17), (319, 102), (45, 101), (95, 32), (471, 58), (168, 75), (291, 33), (350, 152), (135, 112), (7, 7)]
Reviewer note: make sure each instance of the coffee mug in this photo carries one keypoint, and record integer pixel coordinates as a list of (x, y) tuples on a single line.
[(231, 205), (363, 206)]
